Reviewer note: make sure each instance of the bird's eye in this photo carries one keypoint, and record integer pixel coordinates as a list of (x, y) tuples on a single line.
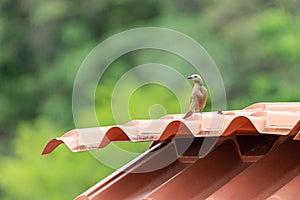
[(195, 76)]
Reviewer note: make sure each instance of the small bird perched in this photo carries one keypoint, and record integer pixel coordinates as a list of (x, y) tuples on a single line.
[(198, 97)]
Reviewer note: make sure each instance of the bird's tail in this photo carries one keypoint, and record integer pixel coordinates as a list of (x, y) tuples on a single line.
[(188, 114)]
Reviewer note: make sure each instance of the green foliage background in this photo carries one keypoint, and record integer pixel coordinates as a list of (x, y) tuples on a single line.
[(255, 44)]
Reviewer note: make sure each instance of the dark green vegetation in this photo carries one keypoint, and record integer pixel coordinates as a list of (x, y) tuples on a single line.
[(255, 44)]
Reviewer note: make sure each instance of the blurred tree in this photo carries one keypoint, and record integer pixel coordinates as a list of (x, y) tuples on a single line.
[(38, 41), (261, 37), (28, 175)]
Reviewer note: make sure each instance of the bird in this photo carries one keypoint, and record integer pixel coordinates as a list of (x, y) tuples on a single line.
[(199, 96)]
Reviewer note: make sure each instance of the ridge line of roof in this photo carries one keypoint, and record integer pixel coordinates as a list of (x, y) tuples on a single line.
[(262, 118)]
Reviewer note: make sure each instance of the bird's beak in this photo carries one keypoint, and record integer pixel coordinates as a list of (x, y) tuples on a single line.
[(190, 77)]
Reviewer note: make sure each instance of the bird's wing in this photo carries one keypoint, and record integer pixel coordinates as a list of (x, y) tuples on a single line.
[(203, 99), (193, 106), (194, 103)]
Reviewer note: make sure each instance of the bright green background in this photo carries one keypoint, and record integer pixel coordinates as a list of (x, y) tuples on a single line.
[(255, 44)]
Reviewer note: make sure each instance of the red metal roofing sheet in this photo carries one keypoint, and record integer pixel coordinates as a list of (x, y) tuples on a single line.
[(266, 176), (220, 175), (263, 118), (129, 183), (204, 176), (290, 191), (257, 156)]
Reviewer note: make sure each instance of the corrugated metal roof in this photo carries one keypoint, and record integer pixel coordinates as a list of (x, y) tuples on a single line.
[(263, 118), (222, 174), (256, 157), (264, 177)]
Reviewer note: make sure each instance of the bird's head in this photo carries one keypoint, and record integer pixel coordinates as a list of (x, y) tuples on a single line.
[(196, 78)]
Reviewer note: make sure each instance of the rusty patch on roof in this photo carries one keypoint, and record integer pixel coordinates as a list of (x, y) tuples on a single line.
[(261, 118)]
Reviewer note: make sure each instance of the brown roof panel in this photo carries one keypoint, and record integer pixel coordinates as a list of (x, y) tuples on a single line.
[(264, 177), (263, 118), (290, 191), (296, 131), (204, 176), (137, 179), (220, 175)]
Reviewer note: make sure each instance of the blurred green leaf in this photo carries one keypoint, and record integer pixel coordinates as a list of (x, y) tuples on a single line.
[(32, 175)]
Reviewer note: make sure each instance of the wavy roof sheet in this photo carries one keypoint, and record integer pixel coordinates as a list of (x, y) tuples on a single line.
[(222, 174), (260, 118)]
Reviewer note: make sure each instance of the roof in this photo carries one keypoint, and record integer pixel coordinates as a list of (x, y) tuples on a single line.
[(222, 174), (255, 156), (260, 118)]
